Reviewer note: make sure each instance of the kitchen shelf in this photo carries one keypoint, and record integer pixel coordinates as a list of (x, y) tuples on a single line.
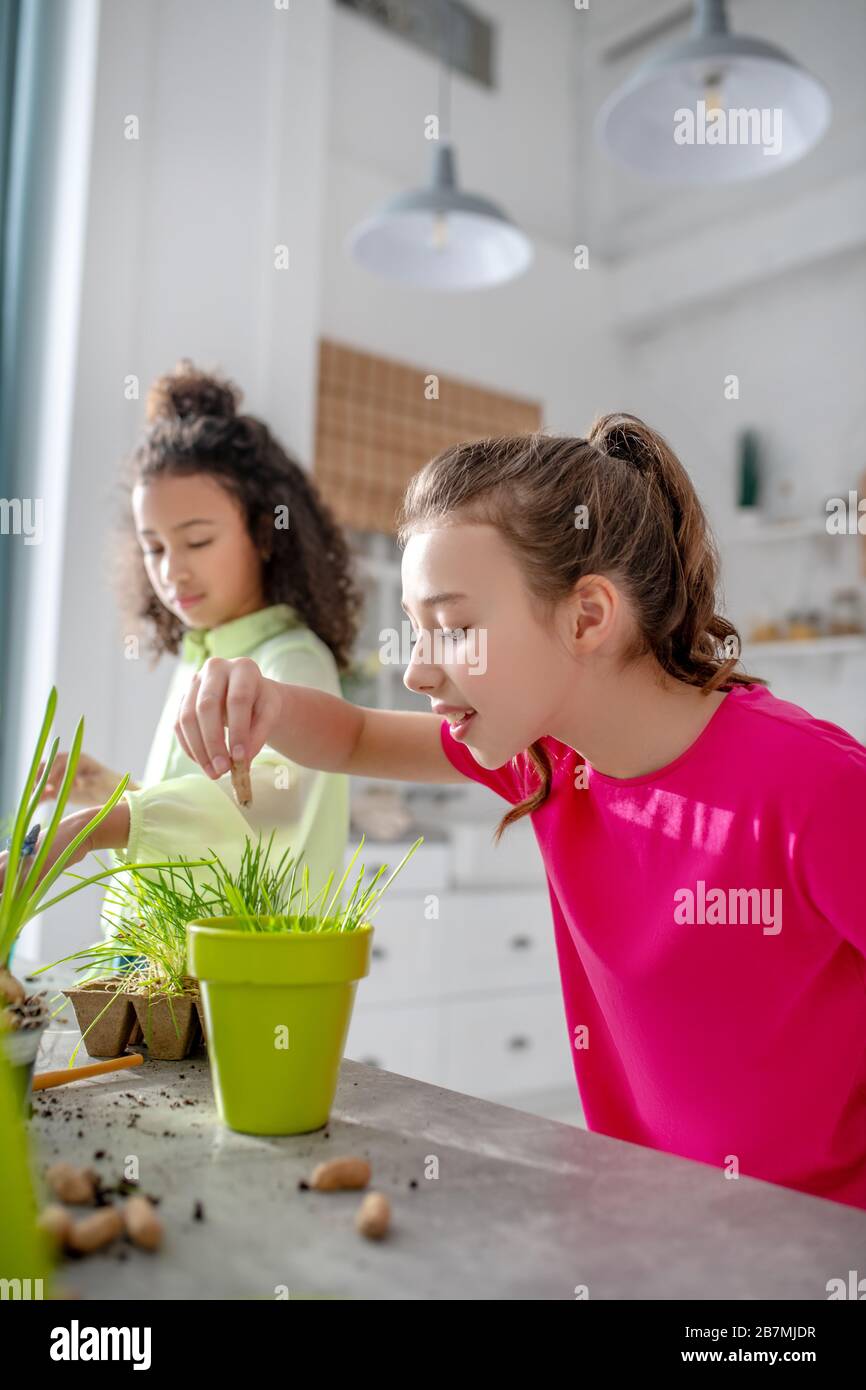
[(852, 645), (801, 529)]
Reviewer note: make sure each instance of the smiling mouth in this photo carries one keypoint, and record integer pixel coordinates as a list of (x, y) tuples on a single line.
[(459, 722), (190, 602), (459, 716)]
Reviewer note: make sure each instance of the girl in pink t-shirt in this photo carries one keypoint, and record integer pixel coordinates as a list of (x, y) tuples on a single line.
[(701, 838)]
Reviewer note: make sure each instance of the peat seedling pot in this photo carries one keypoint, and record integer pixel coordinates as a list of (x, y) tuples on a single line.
[(199, 1008), (168, 1022), (106, 1023), (20, 1043), (277, 1007)]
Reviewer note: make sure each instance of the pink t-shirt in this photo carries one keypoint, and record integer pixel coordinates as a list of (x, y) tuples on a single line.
[(706, 1020)]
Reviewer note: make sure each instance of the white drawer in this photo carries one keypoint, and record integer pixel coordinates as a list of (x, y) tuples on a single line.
[(516, 861), (497, 1047), (496, 941), (404, 1040), (405, 957), (427, 870)]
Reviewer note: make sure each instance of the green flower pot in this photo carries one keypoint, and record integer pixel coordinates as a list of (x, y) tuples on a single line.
[(277, 1006)]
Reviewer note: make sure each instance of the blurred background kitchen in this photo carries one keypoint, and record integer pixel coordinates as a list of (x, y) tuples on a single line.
[(264, 188)]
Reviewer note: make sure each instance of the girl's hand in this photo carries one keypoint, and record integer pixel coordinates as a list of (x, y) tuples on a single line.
[(67, 829), (93, 783), (227, 694)]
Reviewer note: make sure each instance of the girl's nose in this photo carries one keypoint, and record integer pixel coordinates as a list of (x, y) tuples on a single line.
[(174, 571), (419, 676)]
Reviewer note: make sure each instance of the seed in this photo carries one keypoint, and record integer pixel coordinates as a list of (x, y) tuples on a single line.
[(373, 1216), (142, 1223), (340, 1173), (71, 1184), (96, 1230), (241, 783), (56, 1222)]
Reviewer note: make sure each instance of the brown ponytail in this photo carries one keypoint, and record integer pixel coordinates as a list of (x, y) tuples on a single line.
[(646, 530)]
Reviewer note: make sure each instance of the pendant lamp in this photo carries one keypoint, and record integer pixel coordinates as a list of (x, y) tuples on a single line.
[(715, 107)]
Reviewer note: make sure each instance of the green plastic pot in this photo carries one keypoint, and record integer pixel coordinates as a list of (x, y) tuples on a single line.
[(24, 1250), (277, 1007)]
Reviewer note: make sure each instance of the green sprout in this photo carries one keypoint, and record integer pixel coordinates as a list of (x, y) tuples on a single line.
[(265, 904), (23, 894)]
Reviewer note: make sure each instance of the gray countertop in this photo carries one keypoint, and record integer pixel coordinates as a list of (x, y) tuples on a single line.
[(522, 1207)]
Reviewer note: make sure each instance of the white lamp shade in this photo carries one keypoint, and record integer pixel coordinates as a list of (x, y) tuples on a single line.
[(771, 112), (439, 238), (454, 251)]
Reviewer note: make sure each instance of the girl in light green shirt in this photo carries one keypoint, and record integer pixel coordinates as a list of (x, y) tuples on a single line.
[(228, 551)]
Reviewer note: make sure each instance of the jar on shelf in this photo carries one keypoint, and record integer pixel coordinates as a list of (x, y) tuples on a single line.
[(803, 625), (846, 613)]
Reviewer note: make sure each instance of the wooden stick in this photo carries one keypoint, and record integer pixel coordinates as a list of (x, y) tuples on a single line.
[(43, 1079)]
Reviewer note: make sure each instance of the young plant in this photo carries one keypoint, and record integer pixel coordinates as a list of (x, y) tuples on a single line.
[(258, 888), (270, 909), (149, 917), (23, 894)]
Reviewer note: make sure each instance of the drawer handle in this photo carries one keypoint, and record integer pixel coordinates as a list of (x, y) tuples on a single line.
[(520, 943), (518, 1043), (379, 952)]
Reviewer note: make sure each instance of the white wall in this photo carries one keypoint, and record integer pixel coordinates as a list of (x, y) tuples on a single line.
[(181, 228), (543, 335)]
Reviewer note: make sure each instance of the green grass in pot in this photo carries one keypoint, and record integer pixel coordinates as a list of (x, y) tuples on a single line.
[(149, 915), (278, 988), (262, 902)]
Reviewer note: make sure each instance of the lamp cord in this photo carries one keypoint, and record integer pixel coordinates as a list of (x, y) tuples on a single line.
[(445, 70)]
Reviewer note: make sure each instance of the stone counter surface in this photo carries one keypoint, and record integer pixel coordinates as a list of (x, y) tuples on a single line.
[(522, 1208)]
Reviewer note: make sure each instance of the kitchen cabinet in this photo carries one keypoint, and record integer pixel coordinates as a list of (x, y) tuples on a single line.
[(463, 989)]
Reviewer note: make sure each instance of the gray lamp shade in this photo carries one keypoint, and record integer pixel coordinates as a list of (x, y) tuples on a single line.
[(440, 238), (749, 79)]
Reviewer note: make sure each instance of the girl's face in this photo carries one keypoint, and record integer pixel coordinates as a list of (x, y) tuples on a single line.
[(481, 642), (198, 554)]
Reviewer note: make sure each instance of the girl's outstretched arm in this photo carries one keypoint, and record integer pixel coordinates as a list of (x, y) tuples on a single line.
[(308, 726)]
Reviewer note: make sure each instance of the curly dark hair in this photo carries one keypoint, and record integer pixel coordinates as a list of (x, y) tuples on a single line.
[(193, 426)]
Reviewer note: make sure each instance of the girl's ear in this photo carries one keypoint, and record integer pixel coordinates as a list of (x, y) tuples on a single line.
[(594, 608), (263, 538)]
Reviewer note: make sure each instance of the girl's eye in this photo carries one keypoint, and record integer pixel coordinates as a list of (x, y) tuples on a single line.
[(193, 546), (451, 634)]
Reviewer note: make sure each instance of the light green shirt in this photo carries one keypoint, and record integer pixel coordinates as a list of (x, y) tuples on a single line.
[(179, 810)]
